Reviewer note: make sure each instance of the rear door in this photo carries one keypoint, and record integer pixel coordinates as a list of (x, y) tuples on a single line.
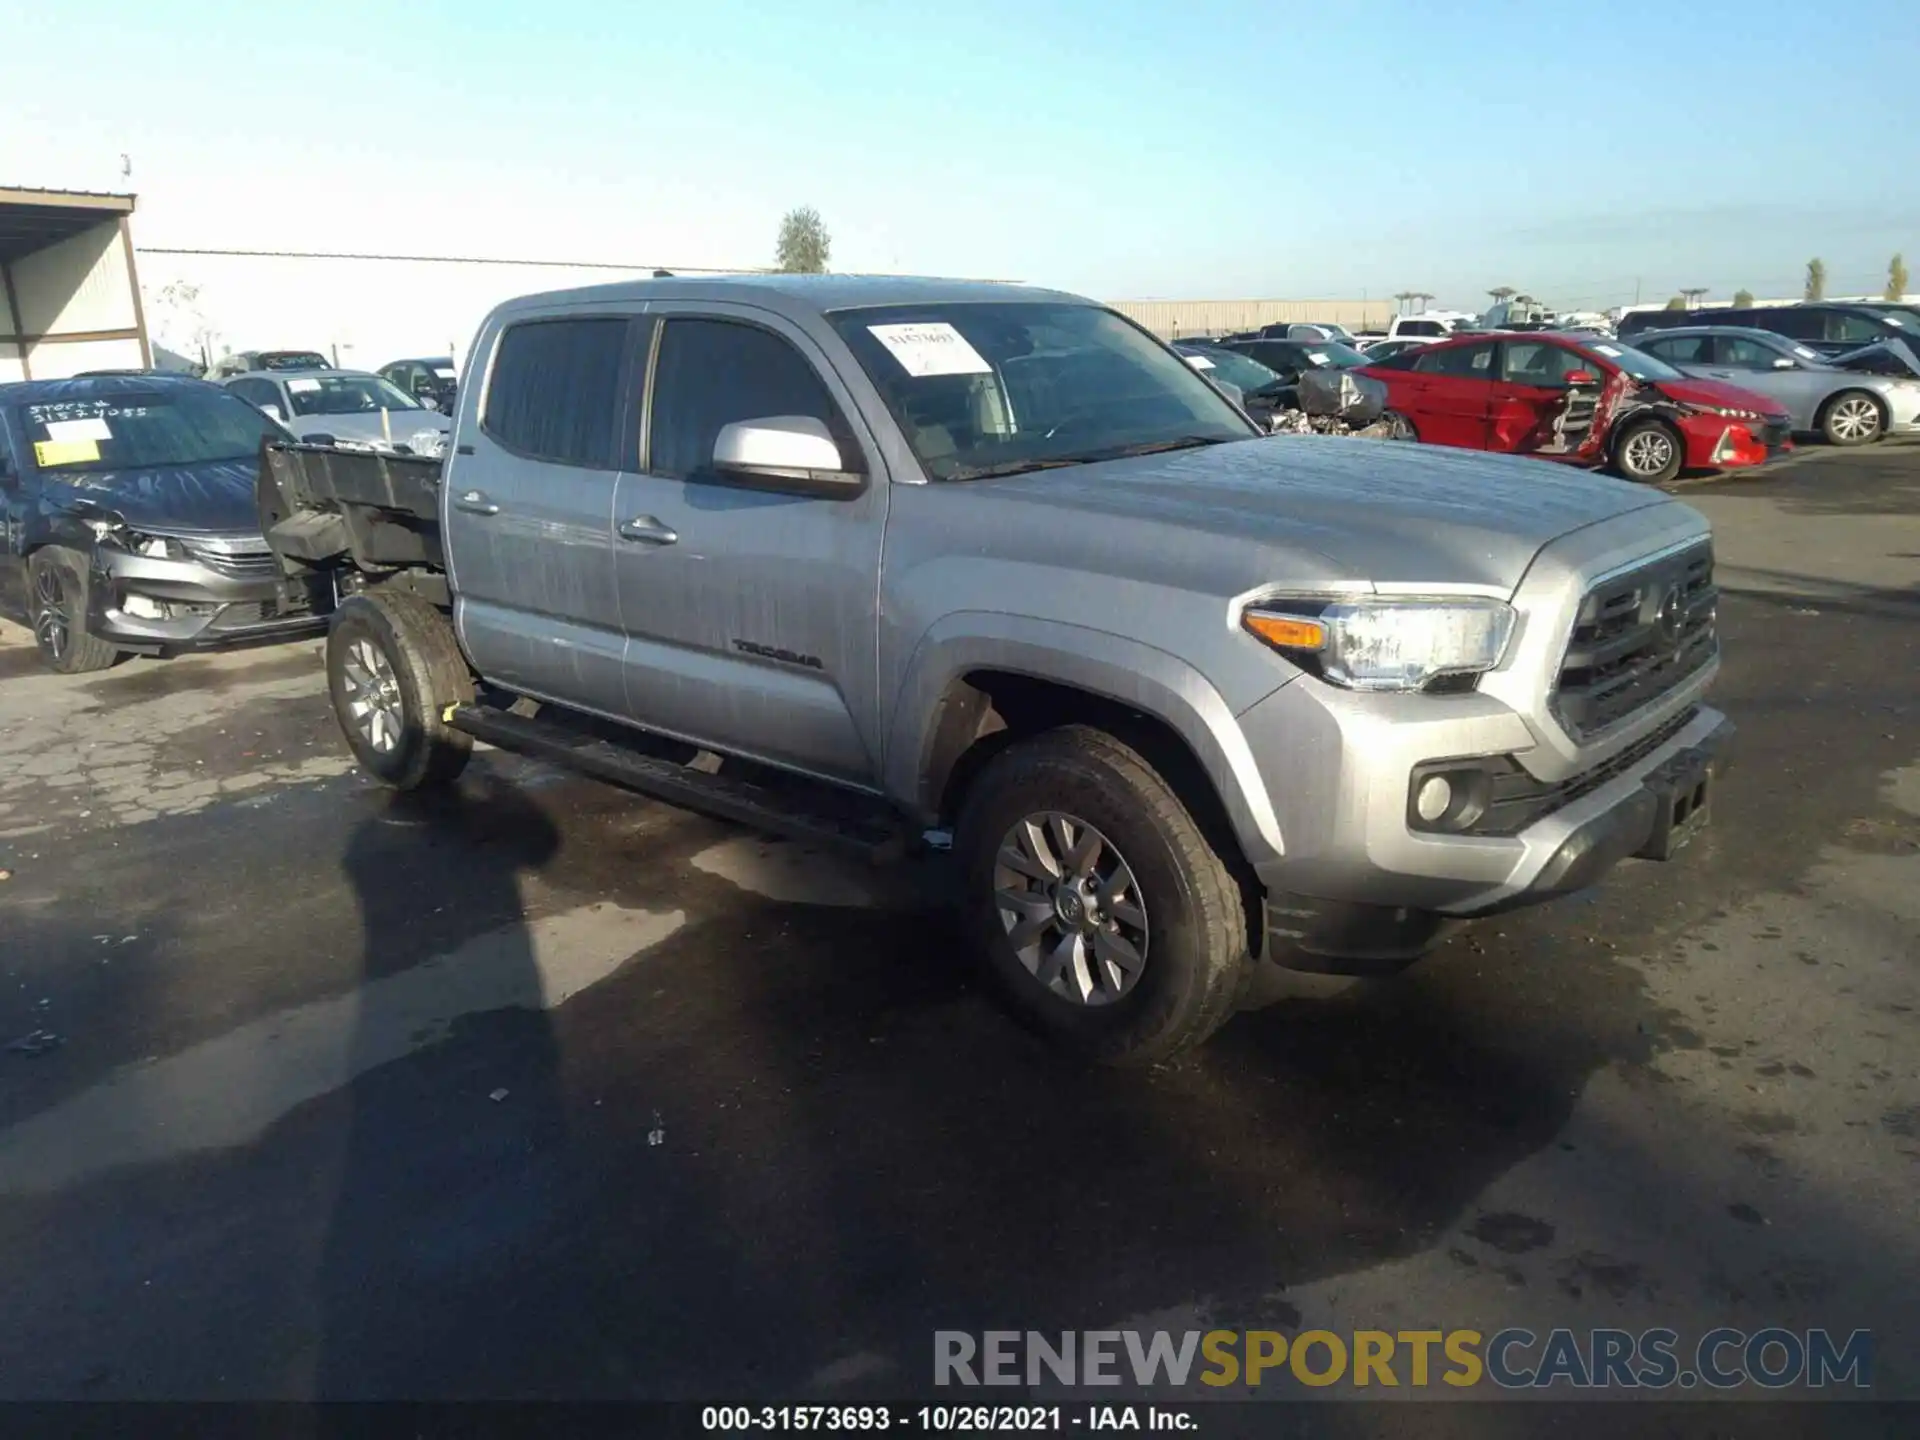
[(527, 507), (749, 605), (1449, 396), (1541, 406)]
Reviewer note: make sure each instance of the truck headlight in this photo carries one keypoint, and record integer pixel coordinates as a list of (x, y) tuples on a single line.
[(1385, 643)]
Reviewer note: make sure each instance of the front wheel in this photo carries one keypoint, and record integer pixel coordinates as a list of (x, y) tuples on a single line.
[(1105, 917), (1399, 427), (1648, 451), (393, 668), (1853, 417), (58, 580)]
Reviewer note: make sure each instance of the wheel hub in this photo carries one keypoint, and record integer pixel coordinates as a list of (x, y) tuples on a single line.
[(1071, 908), (375, 706)]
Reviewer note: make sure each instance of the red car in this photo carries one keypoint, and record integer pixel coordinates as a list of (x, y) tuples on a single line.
[(1580, 399)]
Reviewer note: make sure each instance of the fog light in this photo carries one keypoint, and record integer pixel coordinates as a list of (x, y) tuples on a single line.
[(141, 608), (1430, 802)]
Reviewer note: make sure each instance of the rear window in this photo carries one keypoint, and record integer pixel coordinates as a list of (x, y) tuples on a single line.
[(137, 431), (555, 390)]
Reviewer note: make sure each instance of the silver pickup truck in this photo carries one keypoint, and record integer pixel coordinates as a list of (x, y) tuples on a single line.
[(903, 562)]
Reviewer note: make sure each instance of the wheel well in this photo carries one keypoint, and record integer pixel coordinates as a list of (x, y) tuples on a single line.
[(985, 711), (1620, 428)]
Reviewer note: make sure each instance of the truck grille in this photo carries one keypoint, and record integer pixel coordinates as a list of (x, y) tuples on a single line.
[(227, 557), (1636, 637)]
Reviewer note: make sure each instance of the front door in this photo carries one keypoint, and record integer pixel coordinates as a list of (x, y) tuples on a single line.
[(13, 519), (1545, 400), (750, 610), (527, 508)]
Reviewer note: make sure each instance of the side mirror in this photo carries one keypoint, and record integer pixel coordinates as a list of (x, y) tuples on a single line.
[(1579, 377), (794, 451)]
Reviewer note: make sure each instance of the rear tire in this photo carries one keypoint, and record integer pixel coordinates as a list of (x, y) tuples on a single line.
[(393, 668), (1648, 452), (58, 587), (1148, 955), (1853, 417)]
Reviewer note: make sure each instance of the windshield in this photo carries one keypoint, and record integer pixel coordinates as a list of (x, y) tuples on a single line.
[(1242, 370), (1637, 363), (1000, 388), (1333, 332), (293, 360), (346, 395), (135, 431)]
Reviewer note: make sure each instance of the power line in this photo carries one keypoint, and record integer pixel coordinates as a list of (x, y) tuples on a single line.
[(452, 260)]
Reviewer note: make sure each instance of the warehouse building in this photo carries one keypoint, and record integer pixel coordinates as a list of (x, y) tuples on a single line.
[(69, 294), (1179, 319)]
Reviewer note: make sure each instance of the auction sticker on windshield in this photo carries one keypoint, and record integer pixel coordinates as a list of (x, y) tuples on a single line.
[(94, 427), (301, 387), (1200, 362), (931, 349), (49, 453), (1606, 350)]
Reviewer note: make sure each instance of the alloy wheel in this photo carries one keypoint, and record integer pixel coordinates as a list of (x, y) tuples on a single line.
[(1649, 452), (52, 625), (373, 696), (1854, 419), (1071, 908)]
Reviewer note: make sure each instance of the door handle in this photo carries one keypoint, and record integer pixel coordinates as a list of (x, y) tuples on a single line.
[(475, 502), (648, 531)]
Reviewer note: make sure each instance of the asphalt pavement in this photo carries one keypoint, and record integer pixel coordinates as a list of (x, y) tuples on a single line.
[(545, 1090)]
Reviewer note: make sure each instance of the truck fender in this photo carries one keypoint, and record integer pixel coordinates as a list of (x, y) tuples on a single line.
[(1115, 667)]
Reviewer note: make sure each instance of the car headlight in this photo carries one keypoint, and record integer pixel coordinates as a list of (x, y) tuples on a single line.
[(1385, 643), (1732, 413), (154, 547)]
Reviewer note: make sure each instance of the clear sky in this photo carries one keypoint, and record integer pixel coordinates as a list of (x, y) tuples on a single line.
[(1123, 148)]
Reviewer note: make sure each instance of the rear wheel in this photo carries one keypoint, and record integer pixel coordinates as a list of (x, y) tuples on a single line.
[(59, 583), (1853, 417), (1648, 451), (394, 668), (1106, 919)]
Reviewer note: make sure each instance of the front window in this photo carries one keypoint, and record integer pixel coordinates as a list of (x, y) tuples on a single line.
[(346, 395), (1637, 363), (1005, 387), (1239, 370), (135, 431)]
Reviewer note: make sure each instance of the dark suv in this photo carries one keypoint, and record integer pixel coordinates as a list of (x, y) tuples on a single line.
[(1830, 329)]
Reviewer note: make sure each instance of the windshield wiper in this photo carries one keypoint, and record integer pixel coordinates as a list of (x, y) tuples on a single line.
[(1010, 467), (1151, 447)]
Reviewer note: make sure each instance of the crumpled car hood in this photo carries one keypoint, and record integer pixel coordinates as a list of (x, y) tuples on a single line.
[(1884, 357), (216, 498), (401, 425)]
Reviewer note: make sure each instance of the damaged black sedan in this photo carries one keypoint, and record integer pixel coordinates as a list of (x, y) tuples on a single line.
[(128, 521)]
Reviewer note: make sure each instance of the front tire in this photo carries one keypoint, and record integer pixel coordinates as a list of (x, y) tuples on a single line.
[(58, 585), (393, 668), (1649, 452), (1105, 918), (1853, 417)]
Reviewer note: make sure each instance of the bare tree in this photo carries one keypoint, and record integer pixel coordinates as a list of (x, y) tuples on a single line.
[(1678, 302), (1742, 299), (1896, 278), (804, 245), (1401, 297), (1502, 293), (1816, 279)]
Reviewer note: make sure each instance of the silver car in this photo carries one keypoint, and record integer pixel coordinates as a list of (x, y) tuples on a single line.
[(346, 407), (1846, 406)]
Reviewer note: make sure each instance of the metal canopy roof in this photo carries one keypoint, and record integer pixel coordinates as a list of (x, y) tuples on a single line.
[(31, 220)]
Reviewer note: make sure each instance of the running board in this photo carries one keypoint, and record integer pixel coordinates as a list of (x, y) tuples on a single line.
[(812, 812)]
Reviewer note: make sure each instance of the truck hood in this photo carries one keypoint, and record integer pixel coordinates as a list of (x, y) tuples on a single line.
[(1718, 394), (1346, 510), (1894, 358), (215, 498), (366, 425)]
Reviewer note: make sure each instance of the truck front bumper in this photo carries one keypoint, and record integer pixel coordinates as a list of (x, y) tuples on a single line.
[(1361, 886)]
